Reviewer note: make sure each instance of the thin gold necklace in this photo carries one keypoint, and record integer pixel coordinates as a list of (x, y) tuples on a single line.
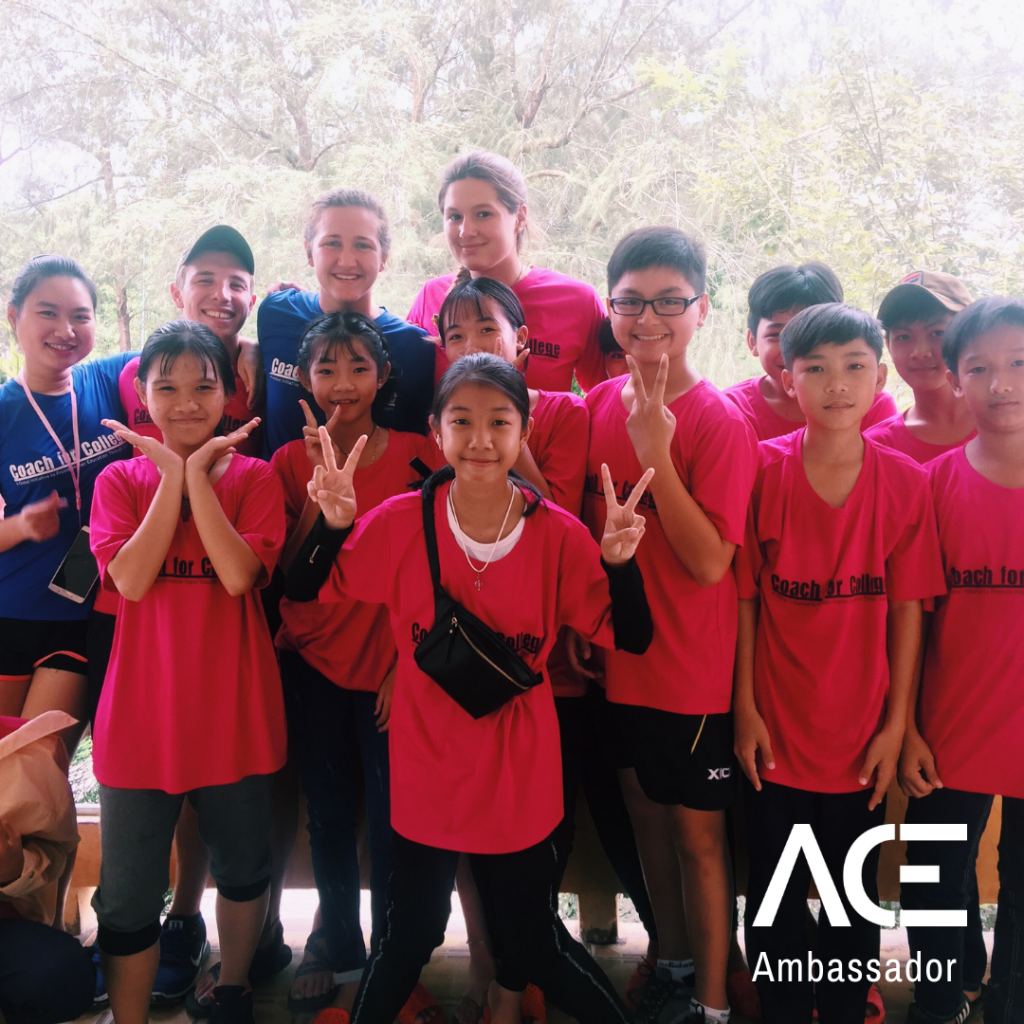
[(479, 584), (376, 445)]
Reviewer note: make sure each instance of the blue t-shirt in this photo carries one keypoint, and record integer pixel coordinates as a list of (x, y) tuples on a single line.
[(32, 468), (280, 324)]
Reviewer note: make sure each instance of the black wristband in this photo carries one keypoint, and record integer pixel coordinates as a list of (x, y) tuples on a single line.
[(313, 561), (631, 614)]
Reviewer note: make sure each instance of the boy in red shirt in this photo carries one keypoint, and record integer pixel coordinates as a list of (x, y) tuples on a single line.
[(674, 700), (971, 708), (775, 297), (839, 553), (914, 316)]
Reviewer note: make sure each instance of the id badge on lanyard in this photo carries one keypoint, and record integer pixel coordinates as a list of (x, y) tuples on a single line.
[(78, 554)]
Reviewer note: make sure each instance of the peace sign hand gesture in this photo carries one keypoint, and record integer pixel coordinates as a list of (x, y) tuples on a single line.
[(650, 425), (623, 528), (331, 488), (311, 435)]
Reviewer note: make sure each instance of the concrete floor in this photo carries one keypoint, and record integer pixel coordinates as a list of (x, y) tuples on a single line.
[(447, 972)]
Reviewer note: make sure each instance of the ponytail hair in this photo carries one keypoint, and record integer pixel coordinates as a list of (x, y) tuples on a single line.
[(486, 371), (468, 294), (501, 174), (42, 268)]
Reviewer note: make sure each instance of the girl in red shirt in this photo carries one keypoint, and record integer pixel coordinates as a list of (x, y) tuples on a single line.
[(185, 536), (483, 202), (338, 658), (487, 786), (483, 315)]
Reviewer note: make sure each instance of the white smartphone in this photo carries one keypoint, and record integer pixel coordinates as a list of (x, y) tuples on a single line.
[(78, 572)]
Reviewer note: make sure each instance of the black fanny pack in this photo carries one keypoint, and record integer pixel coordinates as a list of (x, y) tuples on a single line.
[(463, 655)]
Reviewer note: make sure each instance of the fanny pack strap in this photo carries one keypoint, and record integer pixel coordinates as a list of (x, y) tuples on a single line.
[(430, 536)]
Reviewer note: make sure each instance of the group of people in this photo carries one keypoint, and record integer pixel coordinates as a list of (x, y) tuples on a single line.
[(402, 559)]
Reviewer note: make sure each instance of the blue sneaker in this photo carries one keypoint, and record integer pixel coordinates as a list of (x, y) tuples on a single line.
[(183, 950), (100, 999)]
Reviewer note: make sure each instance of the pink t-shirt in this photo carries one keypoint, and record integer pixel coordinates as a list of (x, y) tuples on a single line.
[(688, 667), (494, 784), (236, 412), (893, 433), (348, 641), (971, 709), (825, 577), (192, 695), (767, 423), (564, 316)]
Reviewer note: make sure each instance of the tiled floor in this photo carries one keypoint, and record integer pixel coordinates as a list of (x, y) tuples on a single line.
[(448, 970)]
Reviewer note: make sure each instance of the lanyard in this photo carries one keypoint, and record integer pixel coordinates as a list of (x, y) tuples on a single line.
[(74, 464)]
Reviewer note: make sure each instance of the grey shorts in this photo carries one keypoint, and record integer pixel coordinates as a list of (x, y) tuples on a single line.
[(136, 832)]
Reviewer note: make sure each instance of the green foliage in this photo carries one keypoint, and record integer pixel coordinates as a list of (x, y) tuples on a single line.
[(125, 129)]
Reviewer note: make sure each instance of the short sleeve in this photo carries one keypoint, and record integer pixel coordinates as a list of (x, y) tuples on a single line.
[(913, 570), (113, 520), (111, 366), (723, 466), (564, 463), (584, 603), (427, 449), (362, 569), (260, 520), (590, 368)]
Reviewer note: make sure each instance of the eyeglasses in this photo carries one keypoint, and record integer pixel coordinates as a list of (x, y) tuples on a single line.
[(667, 306)]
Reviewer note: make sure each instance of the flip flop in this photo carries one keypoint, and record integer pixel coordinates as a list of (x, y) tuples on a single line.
[(316, 947), (420, 1000), (874, 1012), (532, 1005), (332, 1015)]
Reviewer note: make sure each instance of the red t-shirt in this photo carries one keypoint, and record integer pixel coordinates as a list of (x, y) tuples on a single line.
[(564, 316), (893, 433), (236, 412), (489, 785), (767, 423), (825, 577), (348, 641), (688, 667), (192, 695), (971, 709)]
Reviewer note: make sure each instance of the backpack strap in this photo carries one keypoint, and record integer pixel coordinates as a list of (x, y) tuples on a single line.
[(430, 537)]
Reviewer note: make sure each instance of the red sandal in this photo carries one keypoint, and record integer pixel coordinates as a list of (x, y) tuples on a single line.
[(642, 973), (331, 1015), (420, 1000)]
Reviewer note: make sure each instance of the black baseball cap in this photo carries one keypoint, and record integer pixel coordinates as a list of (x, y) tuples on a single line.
[(220, 238)]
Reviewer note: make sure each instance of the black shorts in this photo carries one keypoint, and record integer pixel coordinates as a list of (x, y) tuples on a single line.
[(610, 728), (28, 644), (682, 759)]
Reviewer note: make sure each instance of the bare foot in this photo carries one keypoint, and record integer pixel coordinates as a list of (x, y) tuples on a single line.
[(504, 1005), (481, 973), (311, 984)]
